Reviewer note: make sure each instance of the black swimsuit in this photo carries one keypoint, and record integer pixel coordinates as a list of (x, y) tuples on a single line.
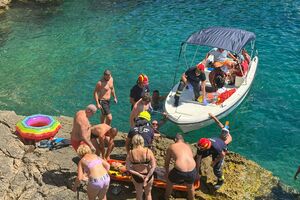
[(137, 178)]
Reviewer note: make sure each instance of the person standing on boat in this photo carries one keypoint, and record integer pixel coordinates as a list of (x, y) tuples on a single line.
[(184, 167), (194, 76), (139, 89), (81, 131), (103, 90)]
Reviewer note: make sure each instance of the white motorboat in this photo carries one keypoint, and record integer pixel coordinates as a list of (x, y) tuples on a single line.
[(191, 115)]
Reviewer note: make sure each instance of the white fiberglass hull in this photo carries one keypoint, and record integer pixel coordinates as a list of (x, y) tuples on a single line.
[(191, 115)]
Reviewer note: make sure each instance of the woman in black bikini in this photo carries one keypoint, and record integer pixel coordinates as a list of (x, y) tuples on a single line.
[(140, 162)]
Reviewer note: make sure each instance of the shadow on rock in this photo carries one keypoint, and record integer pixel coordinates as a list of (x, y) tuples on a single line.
[(59, 178), (280, 192), (76, 160), (207, 188), (120, 190)]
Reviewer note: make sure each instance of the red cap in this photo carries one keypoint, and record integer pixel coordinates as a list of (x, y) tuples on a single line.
[(200, 67), (204, 143)]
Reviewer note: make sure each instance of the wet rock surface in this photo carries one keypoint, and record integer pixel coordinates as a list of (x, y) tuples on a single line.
[(27, 172)]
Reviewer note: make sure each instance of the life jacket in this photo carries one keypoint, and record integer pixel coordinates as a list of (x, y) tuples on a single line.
[(225, 95)]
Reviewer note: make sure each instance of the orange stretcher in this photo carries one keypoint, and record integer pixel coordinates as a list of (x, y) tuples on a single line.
[(162, 184), (117, 174), (122, 175)]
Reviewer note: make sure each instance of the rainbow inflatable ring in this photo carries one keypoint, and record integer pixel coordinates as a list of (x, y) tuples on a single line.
[(38, 127)]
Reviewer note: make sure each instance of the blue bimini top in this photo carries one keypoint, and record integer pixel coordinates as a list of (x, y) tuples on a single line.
[(231, 39)]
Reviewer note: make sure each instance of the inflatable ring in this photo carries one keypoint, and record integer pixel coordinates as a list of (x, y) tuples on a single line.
[(38, 127)]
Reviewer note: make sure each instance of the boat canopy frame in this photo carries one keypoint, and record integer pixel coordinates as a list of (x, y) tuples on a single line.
[(231, 39)]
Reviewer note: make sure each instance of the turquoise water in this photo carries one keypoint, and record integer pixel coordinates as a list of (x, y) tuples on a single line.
[(51, 59)]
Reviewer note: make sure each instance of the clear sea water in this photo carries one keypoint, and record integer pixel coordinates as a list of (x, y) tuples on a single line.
[(52, 57)]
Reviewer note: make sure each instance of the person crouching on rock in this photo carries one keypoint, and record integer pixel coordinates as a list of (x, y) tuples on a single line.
[(184, 170), (217, 148), (97, 170), (104, 133), (140, 162)]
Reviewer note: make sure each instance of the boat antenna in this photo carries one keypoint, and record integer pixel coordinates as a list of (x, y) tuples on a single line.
[(194, 56), (181, 47)]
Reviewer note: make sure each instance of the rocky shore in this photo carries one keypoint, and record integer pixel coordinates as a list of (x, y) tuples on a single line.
[(27, 172), (5, 4)]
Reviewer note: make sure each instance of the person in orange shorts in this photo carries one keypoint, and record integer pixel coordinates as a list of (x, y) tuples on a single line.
[(81, 130)]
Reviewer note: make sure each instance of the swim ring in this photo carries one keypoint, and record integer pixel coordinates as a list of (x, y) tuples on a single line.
[(38, 127)]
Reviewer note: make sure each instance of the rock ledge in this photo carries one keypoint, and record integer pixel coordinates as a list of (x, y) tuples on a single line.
[(27, 172)]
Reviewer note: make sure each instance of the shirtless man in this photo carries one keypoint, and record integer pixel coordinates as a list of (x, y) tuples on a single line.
[(104, 133), (104, 88), (81, 130), (184, 167), (141, 105)]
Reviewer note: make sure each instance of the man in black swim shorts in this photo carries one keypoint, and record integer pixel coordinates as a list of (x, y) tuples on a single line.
[(105, 104), (102, 93), (184, 170)]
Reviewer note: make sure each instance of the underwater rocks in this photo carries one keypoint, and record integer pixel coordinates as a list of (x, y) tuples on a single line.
[(27, 172), (48, 2), (4, 4)]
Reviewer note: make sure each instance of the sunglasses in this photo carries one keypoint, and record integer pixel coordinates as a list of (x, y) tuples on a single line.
[(154, 124)]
